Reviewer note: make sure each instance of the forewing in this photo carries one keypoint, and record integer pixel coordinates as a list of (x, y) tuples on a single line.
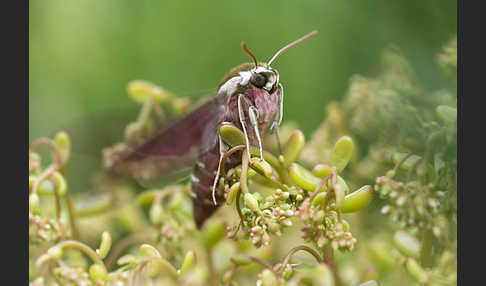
[(171, 153)]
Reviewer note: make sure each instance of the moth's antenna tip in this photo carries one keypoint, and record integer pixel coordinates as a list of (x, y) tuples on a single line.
[(243, 46), (294, 43)]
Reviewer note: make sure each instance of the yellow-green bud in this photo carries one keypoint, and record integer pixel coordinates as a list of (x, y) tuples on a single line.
[(357, 200), (262, 166), (322, 170), (293, 147), (34, 202), (342, 152), (213, 232), (268, 278), (63, 144), (188, 263), (241, 260), (416, 270), (55, 252), (251, 202), (304, 178), (141, 90), (149, 251), (60, 182), (97, 272), (232, 193), (156, 214), (407, 244), (105, 245), (232, 135)]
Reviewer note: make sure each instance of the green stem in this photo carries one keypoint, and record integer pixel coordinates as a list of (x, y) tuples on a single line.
[(426, 249), (297, 248), (72, 220), (82, 247), (328, 259)]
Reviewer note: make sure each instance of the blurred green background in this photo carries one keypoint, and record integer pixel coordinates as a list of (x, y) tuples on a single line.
[(83, 53)]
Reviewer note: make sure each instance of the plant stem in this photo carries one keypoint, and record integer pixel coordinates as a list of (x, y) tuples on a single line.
[(212, 272), (122, 245), (426, 249), (84, 248), (72, 220), (328, 259), (297, 248)]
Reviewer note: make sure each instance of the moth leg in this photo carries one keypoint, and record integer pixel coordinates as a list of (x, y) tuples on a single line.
[(276, 123), (253, 111), (221, 153), (242, 122)]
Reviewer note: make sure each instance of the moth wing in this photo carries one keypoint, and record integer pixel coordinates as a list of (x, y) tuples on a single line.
[(172, 152)]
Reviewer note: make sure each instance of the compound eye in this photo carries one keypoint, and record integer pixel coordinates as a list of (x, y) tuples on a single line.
[(258, 80)]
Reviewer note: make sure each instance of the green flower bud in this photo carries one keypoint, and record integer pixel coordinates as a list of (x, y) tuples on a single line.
[(318, 199), (105, 245), (188, 263), (32, 179), (141, 90), (45, 188), (241, 260), (149, 251), (232, 135), (340, 191), (227, 276), (287, 273), (93, 205), (251, 202), (342, 152), (357, 200), (397, 157), (213, 233), (43, 258), (407, 244), (60, 182), (63, 144), (232, 193), (446, 113), (34, 202), (97, 272), (293, 147), (127, 259), (160, 265), (145, 198), (322, 170), (262, 166), (416, 270), (156, 214), (304, 178), (268, 278), (55, 252), (180, 105)]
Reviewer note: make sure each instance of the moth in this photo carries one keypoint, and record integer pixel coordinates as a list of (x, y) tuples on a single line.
[(250, 97)]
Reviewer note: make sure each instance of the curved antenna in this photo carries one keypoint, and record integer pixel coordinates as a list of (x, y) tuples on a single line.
[(243, 45), (294, 43)]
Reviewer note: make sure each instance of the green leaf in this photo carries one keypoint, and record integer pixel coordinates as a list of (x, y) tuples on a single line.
[(304, 178), (232, 135), (342, 153), (293, 147), (357, 200), (407, 244), (446, 113)]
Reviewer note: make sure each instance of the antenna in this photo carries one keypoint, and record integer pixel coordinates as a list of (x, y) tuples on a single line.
[(294, 43), (243, 45)]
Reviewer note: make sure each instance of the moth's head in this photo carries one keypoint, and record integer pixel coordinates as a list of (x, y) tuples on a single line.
[(257, 74), (260, 76)]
